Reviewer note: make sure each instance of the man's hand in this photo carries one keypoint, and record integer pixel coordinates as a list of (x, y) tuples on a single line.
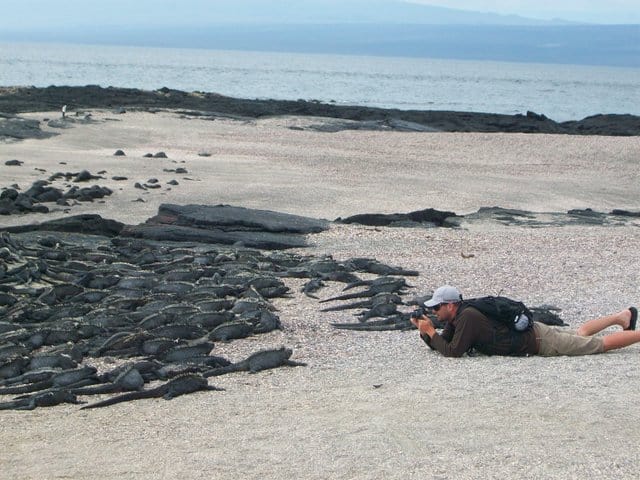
[(424, 325)]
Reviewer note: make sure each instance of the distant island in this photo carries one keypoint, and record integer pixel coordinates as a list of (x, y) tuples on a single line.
[(349, 27)]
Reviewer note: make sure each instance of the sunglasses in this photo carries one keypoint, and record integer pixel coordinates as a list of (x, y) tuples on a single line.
[(437, 307)]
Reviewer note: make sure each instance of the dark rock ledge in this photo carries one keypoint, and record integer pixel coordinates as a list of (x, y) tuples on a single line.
[(14, 128), (505, 216), (214, 224), (269, 230), (31, 99)]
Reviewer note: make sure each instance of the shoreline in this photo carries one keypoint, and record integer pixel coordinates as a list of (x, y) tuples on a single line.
[(14, 100)]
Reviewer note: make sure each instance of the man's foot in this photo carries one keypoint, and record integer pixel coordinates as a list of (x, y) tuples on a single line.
[(634, 318)]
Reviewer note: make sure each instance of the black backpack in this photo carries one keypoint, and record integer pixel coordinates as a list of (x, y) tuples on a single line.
[(504, 310)]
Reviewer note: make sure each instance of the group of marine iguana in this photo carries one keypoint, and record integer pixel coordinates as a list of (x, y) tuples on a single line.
[(157, 309)]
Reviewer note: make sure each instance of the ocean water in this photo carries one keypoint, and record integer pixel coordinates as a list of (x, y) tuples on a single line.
[(562, 92)]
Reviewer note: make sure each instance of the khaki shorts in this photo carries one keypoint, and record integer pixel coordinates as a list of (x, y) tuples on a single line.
[(554, 341)]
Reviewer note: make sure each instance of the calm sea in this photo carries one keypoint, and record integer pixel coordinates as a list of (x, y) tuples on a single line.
[(562, 92)]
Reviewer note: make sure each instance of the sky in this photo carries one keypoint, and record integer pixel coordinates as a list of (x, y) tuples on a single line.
[(590, 11)]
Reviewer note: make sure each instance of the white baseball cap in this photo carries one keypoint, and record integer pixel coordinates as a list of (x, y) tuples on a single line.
[(444, 294)]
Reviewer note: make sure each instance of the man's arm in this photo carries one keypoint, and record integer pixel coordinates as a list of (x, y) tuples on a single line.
[(462, 340), (447, 334), (426, 329), (427, 339), (448, 331)]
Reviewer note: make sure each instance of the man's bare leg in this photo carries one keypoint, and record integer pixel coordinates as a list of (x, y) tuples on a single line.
[(621, 339), (622, 318)]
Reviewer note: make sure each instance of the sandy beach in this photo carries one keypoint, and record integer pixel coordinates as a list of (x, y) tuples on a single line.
[(367, 405)]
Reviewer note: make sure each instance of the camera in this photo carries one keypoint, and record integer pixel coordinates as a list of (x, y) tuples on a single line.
[(420, 312)]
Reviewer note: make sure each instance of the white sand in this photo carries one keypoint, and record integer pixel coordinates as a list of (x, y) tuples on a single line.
[(368, 405)]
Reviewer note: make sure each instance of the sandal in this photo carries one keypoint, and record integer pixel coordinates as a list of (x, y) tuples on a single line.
[(634, 318)]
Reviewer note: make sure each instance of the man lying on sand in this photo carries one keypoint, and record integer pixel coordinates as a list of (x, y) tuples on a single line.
[(467, 328)]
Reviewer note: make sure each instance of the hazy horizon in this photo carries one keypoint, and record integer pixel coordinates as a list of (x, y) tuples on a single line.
[(496, 30)]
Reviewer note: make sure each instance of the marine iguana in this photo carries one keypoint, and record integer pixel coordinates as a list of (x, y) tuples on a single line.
[(129, 379), (377, 282), (180, 385), (399, 321), (379, 299), (48, 398), (381, 310), (65, 378), (29, 377), (339, 276), (389, 286), (183, 353), (231, 330), (371, 265), (396, 322), (262, 360), (312, 286)]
